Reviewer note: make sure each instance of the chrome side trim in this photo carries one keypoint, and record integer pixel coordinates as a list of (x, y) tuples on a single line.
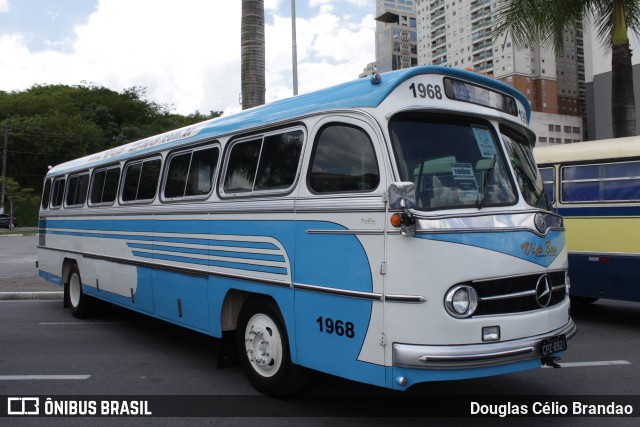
[(507, 296), (333, 291), (512, 276), (484, 222), (604, 254), (417, 299), (175, 268), (474, 355), (372, 296), (347, 232)]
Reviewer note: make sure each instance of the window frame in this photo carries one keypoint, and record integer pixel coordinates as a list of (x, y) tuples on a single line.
[(595, 180), (315, 148), (123, 176), (167, 167), (44, 204), (56, 180), (93, 176), (262, 136), (553, 181), (77, 176)]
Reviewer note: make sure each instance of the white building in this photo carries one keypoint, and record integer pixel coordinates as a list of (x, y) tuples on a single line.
[(457, 33)]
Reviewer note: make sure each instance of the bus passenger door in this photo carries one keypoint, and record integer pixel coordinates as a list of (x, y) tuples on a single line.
[(340, 214)]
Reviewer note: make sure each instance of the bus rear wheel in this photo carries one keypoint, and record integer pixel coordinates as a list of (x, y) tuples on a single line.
[(263, 348), (82, 306)]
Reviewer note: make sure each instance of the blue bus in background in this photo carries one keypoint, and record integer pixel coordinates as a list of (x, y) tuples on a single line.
[(595, 186)]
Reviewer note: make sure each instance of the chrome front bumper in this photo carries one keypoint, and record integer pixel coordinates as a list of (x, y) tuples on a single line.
[(474, 355)]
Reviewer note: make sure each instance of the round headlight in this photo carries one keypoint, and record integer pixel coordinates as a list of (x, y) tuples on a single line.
[(541, 223), (461, 301)]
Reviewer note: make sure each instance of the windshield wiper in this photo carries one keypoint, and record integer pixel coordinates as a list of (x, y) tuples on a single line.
[(484, 180)]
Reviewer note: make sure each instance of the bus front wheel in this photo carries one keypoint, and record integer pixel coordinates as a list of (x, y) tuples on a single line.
[(81, 305), (263, 348)]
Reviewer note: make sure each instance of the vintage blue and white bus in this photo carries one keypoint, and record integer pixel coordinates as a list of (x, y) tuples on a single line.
[(392, 230), (595, 185)]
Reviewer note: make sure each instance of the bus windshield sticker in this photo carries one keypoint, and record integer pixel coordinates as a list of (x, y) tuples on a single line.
[(465, 181), (484, 141)]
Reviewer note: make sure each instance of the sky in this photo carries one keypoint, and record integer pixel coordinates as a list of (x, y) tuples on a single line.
[(186, 53)]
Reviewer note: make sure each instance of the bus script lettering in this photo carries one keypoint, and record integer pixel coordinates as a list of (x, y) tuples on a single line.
[(538, 250)]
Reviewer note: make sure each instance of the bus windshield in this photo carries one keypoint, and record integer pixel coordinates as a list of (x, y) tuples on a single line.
[(529, 178), (454, 162)]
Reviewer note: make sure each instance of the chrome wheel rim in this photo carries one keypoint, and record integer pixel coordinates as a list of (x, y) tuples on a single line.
[(263, 344)]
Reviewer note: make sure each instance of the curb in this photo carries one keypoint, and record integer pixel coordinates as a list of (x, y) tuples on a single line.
[(31, 295)]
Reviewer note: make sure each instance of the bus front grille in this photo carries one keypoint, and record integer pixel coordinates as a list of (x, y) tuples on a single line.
[(519, 294)]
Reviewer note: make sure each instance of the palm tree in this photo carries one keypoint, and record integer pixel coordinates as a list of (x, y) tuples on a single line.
[(544, 22), (252, 52)]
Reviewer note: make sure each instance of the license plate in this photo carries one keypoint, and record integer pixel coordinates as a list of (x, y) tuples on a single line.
[(553, 345)]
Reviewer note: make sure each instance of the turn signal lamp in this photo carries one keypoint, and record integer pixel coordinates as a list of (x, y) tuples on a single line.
[(396, 220)]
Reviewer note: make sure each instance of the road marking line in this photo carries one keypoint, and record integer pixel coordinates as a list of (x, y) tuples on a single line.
[(42, 377), (587, 364)]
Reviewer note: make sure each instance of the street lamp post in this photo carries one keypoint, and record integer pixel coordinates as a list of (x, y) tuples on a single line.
[(294, 47)]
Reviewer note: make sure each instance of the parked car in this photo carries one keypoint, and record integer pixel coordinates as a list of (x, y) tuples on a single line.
[(8, 221)]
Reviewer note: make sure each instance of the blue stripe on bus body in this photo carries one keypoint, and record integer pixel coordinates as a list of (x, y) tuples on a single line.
[(599, 211), (205, 227), (141, 237), (520, 244), (214, 263), (228, 254)]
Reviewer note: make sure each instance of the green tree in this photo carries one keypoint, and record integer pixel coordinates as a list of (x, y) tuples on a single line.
[(544, 22), (252, 53), (17, 195), (52, 124)]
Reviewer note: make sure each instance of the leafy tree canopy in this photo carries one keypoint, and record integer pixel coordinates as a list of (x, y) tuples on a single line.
[(50, 124)]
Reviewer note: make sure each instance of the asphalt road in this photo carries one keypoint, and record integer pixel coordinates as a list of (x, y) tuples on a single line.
[(45, 351), (18, 256)]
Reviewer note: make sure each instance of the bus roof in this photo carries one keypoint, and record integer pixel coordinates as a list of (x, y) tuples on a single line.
[(361, 93), (604, 149)]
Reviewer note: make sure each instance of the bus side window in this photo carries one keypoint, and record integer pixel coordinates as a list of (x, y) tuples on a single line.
[(548, 179), (104, 186), (190, 173), (77, 190), (46, 193), (57, 193), (343, 160), (141, 180), (267, 163)]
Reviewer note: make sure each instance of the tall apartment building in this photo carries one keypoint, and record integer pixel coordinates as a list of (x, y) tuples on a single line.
[(396, 35), (457, 33)]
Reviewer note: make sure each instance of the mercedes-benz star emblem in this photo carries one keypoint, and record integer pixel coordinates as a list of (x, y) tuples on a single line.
[(543, 290)]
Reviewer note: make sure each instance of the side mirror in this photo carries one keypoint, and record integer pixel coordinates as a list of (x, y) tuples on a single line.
[(402, 195)]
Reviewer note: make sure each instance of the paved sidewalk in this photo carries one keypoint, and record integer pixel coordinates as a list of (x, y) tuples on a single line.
[(17, 288)]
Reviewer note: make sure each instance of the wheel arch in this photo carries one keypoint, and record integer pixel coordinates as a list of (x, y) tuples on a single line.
[(67, 263)]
